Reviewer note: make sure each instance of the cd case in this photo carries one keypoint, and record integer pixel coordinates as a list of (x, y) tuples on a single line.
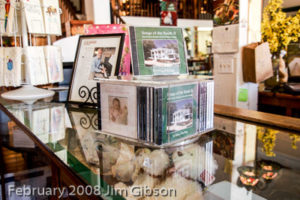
[(158, 51), (155, 111)]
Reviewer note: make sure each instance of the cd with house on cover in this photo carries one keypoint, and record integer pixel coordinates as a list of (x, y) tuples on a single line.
[(179, 108), (158, 51), (119, 109)]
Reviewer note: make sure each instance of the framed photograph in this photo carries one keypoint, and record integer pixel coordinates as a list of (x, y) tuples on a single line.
[(93, 29), (226, 12), (97, 56), (119, 110)]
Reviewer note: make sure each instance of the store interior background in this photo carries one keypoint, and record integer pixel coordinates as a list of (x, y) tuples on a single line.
[(198, 25), (196, 18)]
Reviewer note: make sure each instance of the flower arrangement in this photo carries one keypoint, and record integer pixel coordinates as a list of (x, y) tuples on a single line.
[(278, 29)]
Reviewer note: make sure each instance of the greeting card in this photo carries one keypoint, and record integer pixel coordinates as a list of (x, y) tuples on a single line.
[(41, 124), (114, 28), (12, 66), (2, 18), (54, 64), (7, 17), (34, 16), (36, 65), (51, 17), (57, 129)]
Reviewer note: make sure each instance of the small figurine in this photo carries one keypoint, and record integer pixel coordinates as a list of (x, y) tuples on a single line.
[(168, 19), (283, 75)]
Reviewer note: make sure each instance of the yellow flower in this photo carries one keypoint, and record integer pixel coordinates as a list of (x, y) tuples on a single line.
[(295, 138), (278, 29)]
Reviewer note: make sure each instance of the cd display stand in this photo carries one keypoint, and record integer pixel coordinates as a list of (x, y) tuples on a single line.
[(158, 112)]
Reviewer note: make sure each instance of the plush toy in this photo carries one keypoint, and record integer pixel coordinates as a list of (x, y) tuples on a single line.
[(156, 163), (124, 191), (142, 181), (194, 162), (129, 163), (108, 152), (108, 157), (185, 189), (140, 156), (125, 165)]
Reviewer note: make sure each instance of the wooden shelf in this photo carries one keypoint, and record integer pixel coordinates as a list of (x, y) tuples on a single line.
[(259, 117)]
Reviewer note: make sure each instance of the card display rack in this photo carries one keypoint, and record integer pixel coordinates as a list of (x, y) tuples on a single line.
[(27, 93)]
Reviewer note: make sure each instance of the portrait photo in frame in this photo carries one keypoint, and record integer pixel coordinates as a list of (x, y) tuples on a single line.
[(97, 56)]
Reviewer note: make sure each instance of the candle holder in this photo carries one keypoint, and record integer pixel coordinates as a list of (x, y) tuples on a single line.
[(269, 169), (249, 176)]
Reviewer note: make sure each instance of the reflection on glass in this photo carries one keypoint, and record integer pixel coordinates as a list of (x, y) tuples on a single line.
[(249, 176), (46, 121), (186, 169), (268, 137), (269, 169), (212, 166), (85, 123), (295, 138)]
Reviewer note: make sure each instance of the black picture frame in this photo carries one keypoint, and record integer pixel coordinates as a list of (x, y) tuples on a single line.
[(88, 94)]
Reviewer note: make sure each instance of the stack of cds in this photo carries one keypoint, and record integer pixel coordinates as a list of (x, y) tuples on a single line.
[(157, 112), (162, 104)]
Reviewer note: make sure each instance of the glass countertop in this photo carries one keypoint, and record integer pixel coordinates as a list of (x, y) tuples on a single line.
[(236, 160)]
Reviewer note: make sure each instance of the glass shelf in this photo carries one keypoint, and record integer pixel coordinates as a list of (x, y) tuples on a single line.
[(210, 166)]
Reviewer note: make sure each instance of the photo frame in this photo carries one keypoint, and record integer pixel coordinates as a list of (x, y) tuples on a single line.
[(226, 12), (97, 56), (93, 29)]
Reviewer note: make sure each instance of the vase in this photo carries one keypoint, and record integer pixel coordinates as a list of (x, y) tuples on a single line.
[(274, 80), (283, 74)]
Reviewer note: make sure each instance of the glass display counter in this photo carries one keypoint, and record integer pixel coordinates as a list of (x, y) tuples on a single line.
[(237, 160)]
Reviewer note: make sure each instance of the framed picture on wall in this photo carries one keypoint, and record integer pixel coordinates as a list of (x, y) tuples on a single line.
[(97, 56), (226, 12)]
